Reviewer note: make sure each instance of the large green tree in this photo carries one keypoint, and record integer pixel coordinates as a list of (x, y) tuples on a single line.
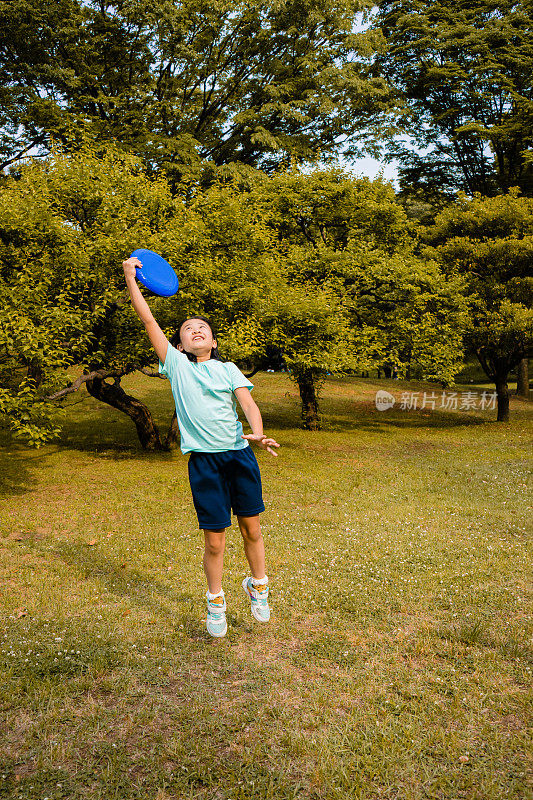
[(187, 83), (65, 226), (489, 242), (350, 238), (464, 74)]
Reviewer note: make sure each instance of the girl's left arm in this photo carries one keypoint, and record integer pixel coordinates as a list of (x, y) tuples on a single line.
[(253, 415)]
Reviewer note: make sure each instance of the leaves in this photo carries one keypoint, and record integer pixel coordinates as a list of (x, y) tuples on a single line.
[(181, 84), (464, 75), (65, 226), (320, 267), (489, 242), (358, 297)]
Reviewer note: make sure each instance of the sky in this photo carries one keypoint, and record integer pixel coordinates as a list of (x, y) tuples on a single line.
[(370, 168), (363, 167)]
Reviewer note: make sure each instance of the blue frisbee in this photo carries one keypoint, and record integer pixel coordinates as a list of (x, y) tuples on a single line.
[(156, 273)]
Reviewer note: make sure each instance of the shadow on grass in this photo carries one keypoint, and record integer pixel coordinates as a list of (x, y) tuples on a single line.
[(380, 423), (16, 469), (106, 433), (114, 438), (337, 418), (356, 409), (120, 580)]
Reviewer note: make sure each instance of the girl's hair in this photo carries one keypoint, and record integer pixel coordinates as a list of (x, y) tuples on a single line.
[(175, 339)]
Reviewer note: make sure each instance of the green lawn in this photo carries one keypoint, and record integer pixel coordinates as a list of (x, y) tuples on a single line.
[(397, 663)]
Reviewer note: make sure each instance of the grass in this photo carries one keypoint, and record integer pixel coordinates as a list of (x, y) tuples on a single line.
[(397, 663)]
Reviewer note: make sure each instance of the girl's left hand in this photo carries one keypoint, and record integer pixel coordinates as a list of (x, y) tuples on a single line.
[(262, 441)]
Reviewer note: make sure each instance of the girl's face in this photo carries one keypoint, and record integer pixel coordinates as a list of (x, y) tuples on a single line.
[(196, 337)]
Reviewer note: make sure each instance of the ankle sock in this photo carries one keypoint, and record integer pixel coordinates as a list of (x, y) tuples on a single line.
[(212, 596), (260, 581)]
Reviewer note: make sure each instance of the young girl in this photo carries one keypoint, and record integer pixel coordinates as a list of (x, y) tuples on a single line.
[(223, 470)]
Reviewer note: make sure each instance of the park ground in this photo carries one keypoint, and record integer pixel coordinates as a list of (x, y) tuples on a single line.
[(398, 660)]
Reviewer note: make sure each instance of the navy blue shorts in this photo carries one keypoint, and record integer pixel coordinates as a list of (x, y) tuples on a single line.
[(224, 481)]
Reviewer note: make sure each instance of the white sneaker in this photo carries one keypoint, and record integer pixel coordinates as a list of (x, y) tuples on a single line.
[(258, 595), (216, 616)]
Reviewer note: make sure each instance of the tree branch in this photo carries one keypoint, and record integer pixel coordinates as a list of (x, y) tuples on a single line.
[(151, 373), (97, 373), (9, 161), (102, 374), (301, 222)]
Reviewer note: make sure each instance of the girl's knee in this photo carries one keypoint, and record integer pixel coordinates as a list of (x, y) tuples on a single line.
[(215, 542), (250, 532)]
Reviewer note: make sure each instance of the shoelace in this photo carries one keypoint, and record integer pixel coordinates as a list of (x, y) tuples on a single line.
[(214, 613)]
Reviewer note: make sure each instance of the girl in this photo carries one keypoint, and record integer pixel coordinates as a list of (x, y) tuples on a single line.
[(223, 470)]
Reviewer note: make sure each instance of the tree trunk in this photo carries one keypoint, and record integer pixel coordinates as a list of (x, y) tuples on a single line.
[(497, 369), (306, 384), (502, 391), (173, 434), (522, 380), (114, 395), (35, 373)]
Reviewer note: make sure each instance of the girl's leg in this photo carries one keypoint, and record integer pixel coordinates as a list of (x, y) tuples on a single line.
[(215, 542), (254, 547)]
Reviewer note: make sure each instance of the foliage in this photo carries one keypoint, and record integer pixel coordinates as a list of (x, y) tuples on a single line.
[(413, 315), (308, 264), (489, 241), (313, 330), (464, 74), (350, 237), (223, 254), (185, 83), (63, 227)]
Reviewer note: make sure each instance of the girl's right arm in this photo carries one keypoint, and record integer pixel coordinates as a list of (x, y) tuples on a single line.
[(156, 335)]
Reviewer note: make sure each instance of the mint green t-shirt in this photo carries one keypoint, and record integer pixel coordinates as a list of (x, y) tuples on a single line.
[(206, 407)]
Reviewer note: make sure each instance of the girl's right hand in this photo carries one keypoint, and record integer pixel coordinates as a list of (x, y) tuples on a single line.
[(129, 267)]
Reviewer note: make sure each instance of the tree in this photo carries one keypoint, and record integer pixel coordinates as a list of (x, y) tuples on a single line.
[(489, 241), (312, 330), (522, 378), (185, 84), (65, 226), (348, 240), (464, 73)]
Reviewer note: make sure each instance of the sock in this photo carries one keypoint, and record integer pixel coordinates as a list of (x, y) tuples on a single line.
[(260, 581), (212, 596)]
